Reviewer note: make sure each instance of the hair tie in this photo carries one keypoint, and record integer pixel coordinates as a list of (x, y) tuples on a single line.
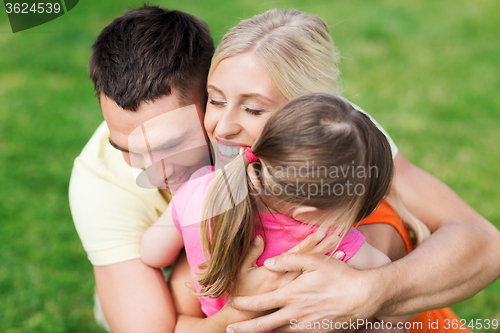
[(250, 155)]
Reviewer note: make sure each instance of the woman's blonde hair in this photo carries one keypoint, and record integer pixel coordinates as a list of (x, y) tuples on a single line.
[(418, 229), (343, 161), (296, 48)]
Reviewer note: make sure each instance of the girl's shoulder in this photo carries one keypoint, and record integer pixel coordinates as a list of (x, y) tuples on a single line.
[(199, 178), (192, 192)]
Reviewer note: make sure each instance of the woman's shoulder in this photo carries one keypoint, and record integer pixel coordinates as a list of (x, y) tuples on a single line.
[(394, 148)]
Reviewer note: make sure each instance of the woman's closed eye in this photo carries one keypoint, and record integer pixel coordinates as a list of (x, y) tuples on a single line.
[(254, 112), (216, 102)]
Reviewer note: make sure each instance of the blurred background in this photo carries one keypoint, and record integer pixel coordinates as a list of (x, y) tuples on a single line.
[(428, 71)]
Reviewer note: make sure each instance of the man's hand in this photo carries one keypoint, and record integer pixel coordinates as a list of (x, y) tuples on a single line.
[(254, 280), (327, 291)]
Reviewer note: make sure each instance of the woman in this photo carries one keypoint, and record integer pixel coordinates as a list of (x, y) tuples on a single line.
[(261, 64)]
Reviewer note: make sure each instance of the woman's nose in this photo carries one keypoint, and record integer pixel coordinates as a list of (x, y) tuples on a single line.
[(228, 125)]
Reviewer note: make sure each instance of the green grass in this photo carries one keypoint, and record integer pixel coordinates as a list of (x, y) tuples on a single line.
[(428, 71)]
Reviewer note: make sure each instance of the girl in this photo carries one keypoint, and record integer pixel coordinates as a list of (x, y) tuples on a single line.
[(317, 161)]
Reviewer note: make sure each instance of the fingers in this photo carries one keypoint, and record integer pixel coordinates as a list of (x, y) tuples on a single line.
[(327, 244), (260, 303), (261, 324), (309, 243), (294, 262), (287, 278), (254, 254), (339, 255), (318, 243)]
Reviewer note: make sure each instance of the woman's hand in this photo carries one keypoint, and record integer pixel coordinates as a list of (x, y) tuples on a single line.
[(254, 280)]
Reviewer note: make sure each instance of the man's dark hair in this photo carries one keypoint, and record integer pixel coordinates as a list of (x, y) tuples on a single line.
[(146, 52)]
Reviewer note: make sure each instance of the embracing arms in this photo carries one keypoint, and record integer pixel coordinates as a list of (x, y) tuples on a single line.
[(133, 293), (456, 262), (255, 280), (134, 297), (190, 318)]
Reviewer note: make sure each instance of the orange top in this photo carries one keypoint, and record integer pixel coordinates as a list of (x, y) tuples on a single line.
[(385, 214), (433, 321)]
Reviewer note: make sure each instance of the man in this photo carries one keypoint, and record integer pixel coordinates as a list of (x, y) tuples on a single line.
[(147, 64)]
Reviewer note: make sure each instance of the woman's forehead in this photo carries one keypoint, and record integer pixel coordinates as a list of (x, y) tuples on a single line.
[(246, 76)]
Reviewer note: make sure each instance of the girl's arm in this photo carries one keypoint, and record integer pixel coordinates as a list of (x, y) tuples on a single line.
[(162, 242), (368, 257), (213, 324)]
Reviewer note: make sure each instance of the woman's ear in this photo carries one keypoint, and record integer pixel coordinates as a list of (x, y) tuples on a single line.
[(305, 213)]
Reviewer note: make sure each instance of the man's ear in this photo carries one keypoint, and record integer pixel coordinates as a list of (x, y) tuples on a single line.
[(304, 213)]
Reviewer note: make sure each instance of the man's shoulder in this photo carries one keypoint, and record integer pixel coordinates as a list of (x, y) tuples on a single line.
[(98, 156), (99, 160)]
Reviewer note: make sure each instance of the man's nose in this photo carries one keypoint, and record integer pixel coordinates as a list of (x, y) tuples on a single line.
[(167, 168), (159, 171)]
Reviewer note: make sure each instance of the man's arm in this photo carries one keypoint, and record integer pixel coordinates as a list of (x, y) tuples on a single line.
[(111, 213), (369, 257), (135, 297), (456, 262)]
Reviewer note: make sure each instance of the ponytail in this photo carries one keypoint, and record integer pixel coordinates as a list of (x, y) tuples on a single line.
[(227, 227)]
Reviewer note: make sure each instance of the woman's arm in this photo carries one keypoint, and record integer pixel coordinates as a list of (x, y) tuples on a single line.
[(161, 242), (456, 262), (368, 257)]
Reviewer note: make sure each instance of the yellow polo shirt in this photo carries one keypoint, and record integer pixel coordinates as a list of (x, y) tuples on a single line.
[(109, 210)]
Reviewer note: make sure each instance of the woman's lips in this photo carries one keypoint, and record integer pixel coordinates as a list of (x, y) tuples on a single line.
[(227, 151)]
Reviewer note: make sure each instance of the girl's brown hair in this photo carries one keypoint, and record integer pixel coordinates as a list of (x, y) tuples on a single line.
[(341, 155)]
